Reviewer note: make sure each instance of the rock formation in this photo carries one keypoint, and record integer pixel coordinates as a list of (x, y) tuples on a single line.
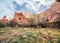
[(52, 15), (42, 17), (4, 20), (54, 12), (22, 18), (19, 17)]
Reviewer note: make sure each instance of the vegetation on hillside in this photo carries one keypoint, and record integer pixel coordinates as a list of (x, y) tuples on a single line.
[(29, 35)]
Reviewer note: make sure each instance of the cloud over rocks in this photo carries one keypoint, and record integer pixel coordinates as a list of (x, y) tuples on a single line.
[(8, 7)]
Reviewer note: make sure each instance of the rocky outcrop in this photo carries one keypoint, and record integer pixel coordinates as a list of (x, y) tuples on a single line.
[(4, 20), (23, 18), (54, 12), (42, 17), (19, 17), (51, 15), (27, 14)]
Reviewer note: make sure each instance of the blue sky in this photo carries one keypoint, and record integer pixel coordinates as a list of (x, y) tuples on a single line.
[(8, 7)]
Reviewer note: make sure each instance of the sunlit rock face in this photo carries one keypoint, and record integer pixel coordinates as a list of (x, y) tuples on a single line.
[(18, 17), (51, 15), (22, 19), (27, 14), (54, 12), (42, 17)]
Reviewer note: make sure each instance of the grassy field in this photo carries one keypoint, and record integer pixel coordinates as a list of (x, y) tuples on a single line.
[(29, 35)]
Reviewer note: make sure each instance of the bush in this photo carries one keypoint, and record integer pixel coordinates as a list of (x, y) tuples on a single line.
[(53, 24), (56, 24), (2, 25), (12, 23), (32, 25), (42, 25)]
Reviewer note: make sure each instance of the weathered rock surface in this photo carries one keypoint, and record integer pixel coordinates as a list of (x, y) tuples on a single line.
[(4, 20), (51, 15), (23, 18)]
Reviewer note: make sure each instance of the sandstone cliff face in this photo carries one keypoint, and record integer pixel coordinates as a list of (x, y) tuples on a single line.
[(51, 15), (27, 14), (22, 18), (42, 17), (19, 17), (54, 12)]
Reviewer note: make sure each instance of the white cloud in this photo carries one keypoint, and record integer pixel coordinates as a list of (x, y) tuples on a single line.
[(7, 7)]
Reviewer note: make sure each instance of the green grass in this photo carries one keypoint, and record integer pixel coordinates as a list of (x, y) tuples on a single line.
[(29, 35)]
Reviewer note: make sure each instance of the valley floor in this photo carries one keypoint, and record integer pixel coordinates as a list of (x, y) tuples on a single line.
[(29, 35)]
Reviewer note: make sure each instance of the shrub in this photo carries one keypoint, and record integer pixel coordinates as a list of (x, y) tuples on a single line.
[(53, 24), (12, 23), (56, 24), (58, 40), (33, 25), (42, 25), (34, 22), (2, 25)]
